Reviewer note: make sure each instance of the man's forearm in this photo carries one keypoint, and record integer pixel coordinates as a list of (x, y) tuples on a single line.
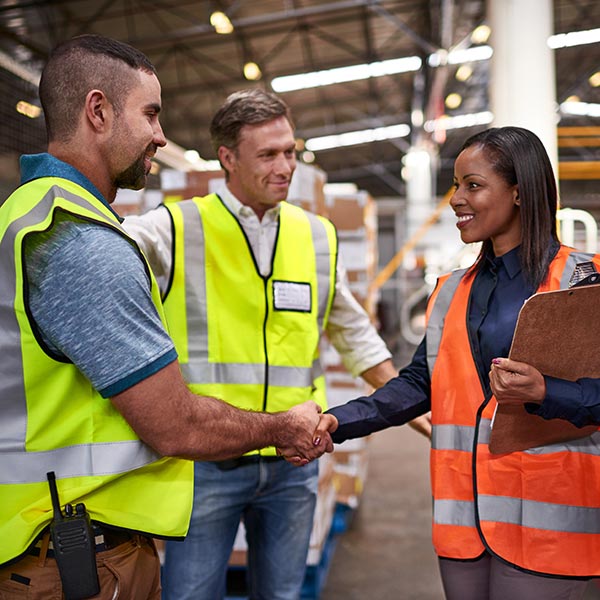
[(380, 374), (216, 430), (219, 431), (175, 422)]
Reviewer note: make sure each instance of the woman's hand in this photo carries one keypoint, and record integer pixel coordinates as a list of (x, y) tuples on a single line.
[(515, 382)]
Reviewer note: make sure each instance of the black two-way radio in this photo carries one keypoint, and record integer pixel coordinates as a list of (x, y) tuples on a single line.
[(74, 547)]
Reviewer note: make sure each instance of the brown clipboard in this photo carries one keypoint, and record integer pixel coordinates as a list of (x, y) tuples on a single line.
[(558, 333)]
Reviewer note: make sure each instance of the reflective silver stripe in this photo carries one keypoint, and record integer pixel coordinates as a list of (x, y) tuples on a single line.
[(247, 374), (13, 407), (586, 445), (539, 515), (198, 369), (572, 260), (195, 288), (454, 512), (459, 437), (435, 325), (75, 461), (323, 257)]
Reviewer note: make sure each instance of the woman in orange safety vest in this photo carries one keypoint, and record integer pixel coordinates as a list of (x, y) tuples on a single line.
[(521, 525)]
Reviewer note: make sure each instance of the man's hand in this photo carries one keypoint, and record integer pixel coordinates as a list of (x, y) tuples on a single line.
[(321, 439), (422, 425), (516, 382), (296, 442)]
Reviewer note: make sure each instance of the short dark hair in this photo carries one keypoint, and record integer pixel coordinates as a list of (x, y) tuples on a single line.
[(245, 107), (519, 157), (79, 65)]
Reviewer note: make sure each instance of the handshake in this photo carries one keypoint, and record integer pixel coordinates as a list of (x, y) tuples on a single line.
[(306, 434)]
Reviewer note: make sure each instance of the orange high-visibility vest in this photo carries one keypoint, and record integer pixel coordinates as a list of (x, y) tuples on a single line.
[(539, 509)]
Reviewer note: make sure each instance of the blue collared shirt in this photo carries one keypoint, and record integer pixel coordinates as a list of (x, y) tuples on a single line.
[(497, 295), (89, 293)]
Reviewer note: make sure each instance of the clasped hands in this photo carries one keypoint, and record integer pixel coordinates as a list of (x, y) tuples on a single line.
[(307, 435)]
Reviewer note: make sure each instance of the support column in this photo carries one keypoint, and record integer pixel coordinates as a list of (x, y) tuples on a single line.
[(523, 80)]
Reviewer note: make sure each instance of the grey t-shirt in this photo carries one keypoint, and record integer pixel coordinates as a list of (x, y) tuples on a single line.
[(89, 296)]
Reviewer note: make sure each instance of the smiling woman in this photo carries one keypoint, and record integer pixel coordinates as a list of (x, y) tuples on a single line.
[(501, 525), (511, 195), (486, 205)]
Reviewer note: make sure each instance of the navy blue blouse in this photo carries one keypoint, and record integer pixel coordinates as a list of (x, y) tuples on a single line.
[(497, 295)]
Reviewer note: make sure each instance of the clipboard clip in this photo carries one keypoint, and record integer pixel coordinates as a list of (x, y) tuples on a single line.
[(585, 273)]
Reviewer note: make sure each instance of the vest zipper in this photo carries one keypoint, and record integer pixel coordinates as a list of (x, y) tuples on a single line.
[(266, 382)]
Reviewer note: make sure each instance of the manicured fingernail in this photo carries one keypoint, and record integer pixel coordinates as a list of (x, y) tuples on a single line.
[(317, 441), (496, 361)]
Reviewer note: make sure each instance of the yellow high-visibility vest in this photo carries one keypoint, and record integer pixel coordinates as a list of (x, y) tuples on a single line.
[(52, 417), (250, 340)]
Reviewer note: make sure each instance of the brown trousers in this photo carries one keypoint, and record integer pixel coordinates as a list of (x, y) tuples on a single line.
[(131, 571)]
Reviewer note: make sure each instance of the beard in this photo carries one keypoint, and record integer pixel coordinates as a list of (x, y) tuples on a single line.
[(134, 176)]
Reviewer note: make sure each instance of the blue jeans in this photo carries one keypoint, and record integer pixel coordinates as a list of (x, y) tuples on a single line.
[(276, 501)]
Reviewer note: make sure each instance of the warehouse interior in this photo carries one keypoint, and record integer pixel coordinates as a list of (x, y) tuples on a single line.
[(383, 94)]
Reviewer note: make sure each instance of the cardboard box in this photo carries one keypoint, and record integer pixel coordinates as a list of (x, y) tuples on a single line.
[(350, 471), (306, 189), (354, 213), (179, 185)]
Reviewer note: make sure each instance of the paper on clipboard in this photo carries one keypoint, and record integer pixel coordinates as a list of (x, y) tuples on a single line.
[(558, 333)]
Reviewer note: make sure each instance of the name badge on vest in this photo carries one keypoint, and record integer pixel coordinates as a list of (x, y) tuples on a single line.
[(288, 295)]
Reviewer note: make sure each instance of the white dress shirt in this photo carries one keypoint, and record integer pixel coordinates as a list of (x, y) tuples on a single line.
[(349, 328)]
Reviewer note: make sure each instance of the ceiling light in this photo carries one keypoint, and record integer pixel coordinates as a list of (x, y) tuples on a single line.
[(456, 57), (574, 38), (463, 72), (573, 99), (470, 120), (583, 109), (438, 58), (252, 71), (481, 34), (303, 81), (417, 117), (453, 100), (308, 156), (595, 79), (353, 138), (220, 21), (27, 109)]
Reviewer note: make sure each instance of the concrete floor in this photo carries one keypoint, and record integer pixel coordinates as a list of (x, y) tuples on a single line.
[(386, 554)]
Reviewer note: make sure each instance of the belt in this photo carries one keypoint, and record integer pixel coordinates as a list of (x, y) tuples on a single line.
[(242, 461), (105, 538)]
